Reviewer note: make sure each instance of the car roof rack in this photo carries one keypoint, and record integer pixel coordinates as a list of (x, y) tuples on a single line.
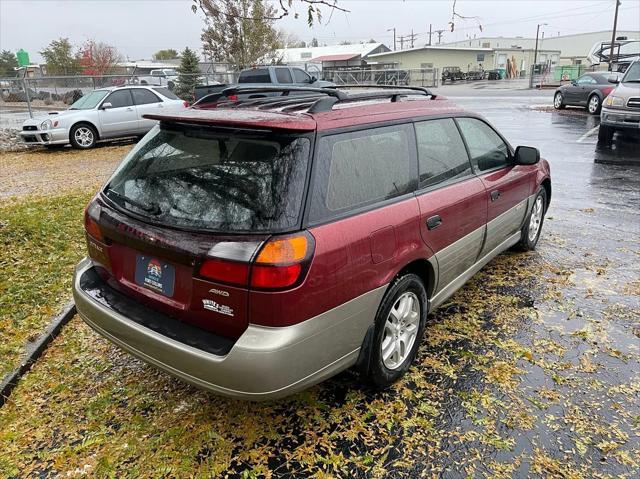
[(317, 99)]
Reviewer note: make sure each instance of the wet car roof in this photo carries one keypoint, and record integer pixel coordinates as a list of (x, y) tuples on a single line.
[(341, 115)]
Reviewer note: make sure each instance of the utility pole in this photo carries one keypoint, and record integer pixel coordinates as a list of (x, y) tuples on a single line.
[(401, 42), (613, 35), (394, 37), (412, 37), (429, 34), (439, 32), (535, 52)]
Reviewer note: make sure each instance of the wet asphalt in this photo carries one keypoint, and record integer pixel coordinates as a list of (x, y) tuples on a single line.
[(591, 236)]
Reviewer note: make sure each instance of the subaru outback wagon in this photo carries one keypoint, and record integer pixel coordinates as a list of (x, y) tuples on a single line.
[(256, 247)]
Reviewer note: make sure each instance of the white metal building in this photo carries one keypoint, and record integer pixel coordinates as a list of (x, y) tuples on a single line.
[(573, 49)]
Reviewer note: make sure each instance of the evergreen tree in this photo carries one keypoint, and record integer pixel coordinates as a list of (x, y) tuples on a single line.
[(188, 75)]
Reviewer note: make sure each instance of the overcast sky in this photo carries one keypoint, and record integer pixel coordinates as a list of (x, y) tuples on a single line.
[(138, 28)]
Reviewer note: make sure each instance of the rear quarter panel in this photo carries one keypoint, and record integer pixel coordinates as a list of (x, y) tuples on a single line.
[(353, 256)]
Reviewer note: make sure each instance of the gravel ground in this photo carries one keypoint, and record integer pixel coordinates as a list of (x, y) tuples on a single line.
[(45, 172)]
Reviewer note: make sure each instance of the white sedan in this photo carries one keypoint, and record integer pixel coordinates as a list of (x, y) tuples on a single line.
[(102, 114)]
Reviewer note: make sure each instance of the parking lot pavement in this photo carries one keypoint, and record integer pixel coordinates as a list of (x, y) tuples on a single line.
[(530, 370)]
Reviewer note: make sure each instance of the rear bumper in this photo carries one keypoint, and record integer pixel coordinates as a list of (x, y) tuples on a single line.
[(57, 136), (620, 119), (264, 363)]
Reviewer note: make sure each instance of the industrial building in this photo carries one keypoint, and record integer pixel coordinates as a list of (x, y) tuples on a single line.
[(468, 58), (574, 49)]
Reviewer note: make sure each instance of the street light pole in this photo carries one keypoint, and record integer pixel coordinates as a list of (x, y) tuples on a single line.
[(394, 37), (535, 52), (613, 35)]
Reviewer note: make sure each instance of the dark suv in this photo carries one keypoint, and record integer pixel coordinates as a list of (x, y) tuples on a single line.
[(255, 247)]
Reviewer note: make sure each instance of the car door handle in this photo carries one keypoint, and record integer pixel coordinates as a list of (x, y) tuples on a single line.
[(129, 108), (495, 194), (433, 222)]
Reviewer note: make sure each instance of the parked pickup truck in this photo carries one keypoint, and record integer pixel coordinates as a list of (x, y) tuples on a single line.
[(265, 76), (161, 77)]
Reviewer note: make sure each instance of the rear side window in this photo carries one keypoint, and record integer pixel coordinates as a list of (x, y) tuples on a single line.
[(120, 98), (142, 96), (203, 180), (301, 76), (258, 75), (441, 152), (486, 148), (360, 168), (283, 75), (165, 92)]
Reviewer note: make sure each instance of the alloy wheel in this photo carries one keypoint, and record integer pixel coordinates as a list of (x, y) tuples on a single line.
[(594, 103), (84, 136), (400, 330), (557, 100), (536, 219)]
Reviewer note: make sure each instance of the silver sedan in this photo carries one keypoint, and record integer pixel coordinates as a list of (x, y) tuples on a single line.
[(106, 113)]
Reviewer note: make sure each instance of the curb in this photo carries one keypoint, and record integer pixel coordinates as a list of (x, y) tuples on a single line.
[(34, 350)]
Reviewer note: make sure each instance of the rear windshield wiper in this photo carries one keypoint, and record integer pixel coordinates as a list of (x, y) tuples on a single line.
[(152, 208)]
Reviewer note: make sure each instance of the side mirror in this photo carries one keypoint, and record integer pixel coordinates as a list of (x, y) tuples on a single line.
[(106, 105), (574, 83), (614, 79), (313, 79), (527, 155)]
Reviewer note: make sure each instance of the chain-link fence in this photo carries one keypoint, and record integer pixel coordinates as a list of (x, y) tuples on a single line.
[(24, 97), (427, 77), (543, 75)]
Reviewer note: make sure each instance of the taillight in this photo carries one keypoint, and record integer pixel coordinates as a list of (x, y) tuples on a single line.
[(91, 215), (282, 261), (232, 98), (186, 104), (225, 271), (606, 91)]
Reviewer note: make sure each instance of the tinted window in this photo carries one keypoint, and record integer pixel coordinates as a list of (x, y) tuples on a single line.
[(142, 97), (283, 75), (202, 180), (165, 92), (441, 152), (360, 168), (586, 79), (300, 76), (486, 148), (120, 98), (258, 75)]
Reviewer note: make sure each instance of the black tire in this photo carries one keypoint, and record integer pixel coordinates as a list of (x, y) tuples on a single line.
[(594, 109), (375, 371), (91, 136), (558, 101), (605, 134), (528, 242)]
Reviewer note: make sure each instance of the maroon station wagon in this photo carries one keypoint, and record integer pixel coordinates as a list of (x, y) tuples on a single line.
[(268, 238)]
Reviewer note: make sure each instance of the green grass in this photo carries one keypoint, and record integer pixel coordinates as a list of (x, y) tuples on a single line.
[(41, 238)]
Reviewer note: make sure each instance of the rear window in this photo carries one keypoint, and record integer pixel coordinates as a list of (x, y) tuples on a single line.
[(165, 92), (259, 75), (203, 180)]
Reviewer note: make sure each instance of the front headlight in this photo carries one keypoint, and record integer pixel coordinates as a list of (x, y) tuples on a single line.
[(614, 101), (45, 125)]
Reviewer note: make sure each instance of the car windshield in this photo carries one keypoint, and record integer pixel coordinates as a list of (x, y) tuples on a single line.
[(89, 101), (206, 180), (633, 74)]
